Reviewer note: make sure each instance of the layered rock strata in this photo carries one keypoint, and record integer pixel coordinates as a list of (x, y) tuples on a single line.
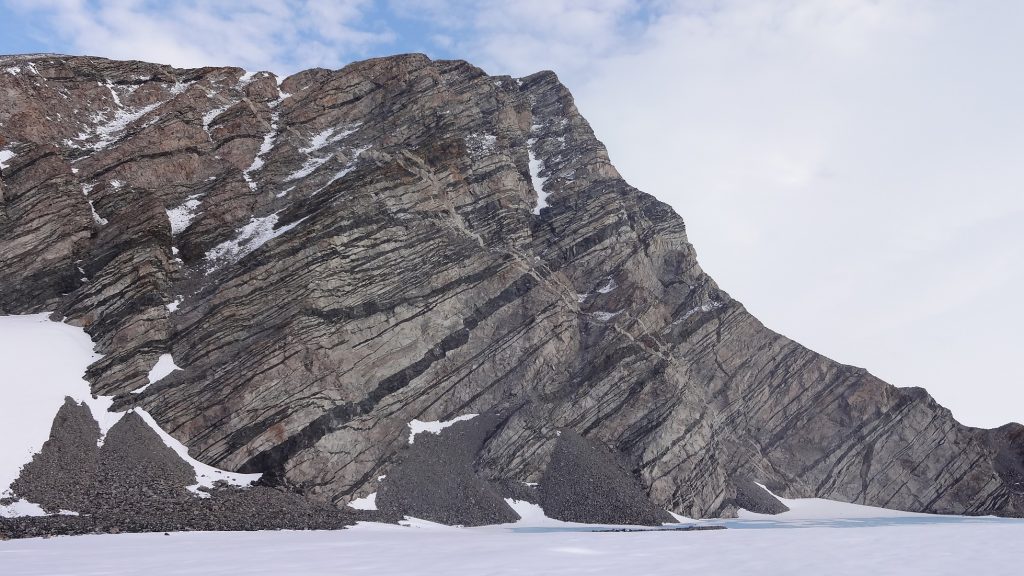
[(334, 254)]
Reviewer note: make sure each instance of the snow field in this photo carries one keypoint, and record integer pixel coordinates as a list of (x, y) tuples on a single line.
[(983, 547)]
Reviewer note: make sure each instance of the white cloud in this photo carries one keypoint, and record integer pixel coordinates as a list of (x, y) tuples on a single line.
[(278, 35), (517, 37)]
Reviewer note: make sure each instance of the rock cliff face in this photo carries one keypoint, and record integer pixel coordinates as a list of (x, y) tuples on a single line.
[(332, 255)]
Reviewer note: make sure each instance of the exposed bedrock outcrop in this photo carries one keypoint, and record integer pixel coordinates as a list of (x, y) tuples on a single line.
[(331, 255), (128, 480)]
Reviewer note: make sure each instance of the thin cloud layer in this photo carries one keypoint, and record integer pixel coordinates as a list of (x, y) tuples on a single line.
[(849, 169), (278, 35)]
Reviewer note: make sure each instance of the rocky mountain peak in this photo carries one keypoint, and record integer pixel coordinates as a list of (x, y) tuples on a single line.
[(330, 256)]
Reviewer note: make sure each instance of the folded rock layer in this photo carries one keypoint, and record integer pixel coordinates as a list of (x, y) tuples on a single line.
[(330, 256)]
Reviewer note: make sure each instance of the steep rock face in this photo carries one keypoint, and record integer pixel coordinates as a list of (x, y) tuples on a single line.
[(333, 256)]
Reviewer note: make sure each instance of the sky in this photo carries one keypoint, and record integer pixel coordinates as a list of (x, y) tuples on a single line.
[(851, 170)]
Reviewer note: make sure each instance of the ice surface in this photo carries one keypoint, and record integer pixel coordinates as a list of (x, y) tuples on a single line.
[(434, 426), (987, 547)]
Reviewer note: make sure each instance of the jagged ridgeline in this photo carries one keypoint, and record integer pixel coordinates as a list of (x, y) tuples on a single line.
[(331, 256)]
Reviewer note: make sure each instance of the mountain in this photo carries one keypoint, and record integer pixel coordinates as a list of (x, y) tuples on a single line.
[(336, 258)]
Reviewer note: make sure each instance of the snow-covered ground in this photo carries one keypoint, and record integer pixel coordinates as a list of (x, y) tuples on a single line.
[(890, 544)]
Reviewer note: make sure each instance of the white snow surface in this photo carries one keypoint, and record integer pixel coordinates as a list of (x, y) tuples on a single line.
[(268, 140), (480, 144), (344, 171), (212, 115), (434, 426), (932, 546), (181, 216), (538, 181), (316, 143), (256, 233), (5, 155), (706, 307), (109, 131), (368, 502), (164, 366), (86, 188), (21, 507), (41, 363)]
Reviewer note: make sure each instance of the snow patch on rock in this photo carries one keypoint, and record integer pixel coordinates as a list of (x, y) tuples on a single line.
[(368, 502), (86, 189), (434, 426), (5, 156), (181, 216), (538, 181), (164, 366), (206, 475), (344, 171), (268, 140), (256, 233), (212, 115), (819, 509), (108, 131)]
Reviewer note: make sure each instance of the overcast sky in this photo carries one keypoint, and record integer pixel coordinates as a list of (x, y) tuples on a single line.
[(851, 170)]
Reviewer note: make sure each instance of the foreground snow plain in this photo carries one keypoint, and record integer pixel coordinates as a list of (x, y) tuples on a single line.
[(787, 545)]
